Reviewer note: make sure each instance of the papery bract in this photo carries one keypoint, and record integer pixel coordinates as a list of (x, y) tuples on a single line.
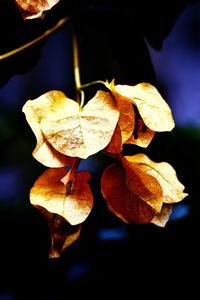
[(126, 120), (63, 234), (73, 200), (164, 173), (81, 132), (142, 135), (34, 8), (143, 184), (71, 130), (162, 218), (153, 109), (115, 145), (130, 194), (34, 111)]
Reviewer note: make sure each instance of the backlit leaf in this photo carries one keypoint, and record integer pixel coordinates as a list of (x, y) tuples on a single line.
[(50, 157), (62, 233), (130, 194), (162, 218), (164, 173), (153, 109), (80, 132), (141, 183), (125, 125), (73, 200), (142, 135), (34, 8), (115, 145), (126, 120), (44, 152)]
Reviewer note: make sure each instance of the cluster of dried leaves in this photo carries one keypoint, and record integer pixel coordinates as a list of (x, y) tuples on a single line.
[(135, 188)]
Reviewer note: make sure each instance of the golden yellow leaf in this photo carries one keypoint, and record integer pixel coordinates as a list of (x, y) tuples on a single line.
[(50, 157), (62, 233), (80, 132), (153, 109), (128, 196), (144, 185), (34, 111), (34, 8), (164, 173), (162, 218), (142, 135), (73, 200)]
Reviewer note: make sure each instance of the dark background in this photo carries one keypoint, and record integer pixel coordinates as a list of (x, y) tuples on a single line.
[(141, 41)]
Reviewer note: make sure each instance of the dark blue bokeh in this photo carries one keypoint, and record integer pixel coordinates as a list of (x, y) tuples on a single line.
[(177, 67)]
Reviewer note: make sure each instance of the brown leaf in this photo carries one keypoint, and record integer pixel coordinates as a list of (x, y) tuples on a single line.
[(34, 8), (162, 218), (44, 152), (142, 135), (126, 120), (80, 132), (144, 185), (164, 173), (154, 111), (130, 194), (62, 233), (72, 201), (115, 145)]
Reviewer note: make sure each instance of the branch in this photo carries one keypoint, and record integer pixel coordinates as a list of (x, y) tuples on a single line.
[(36, 40)]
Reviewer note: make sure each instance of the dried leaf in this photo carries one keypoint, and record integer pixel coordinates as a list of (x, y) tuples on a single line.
[(126, 120), (62, 233), (164, 173), (141, 183), (34, 111), (153, 109), (162, 218), (34, 8), (73, 201), (50, 157), (131, 195), (142, 135), (80, 132), (115, 145), (125, 125)]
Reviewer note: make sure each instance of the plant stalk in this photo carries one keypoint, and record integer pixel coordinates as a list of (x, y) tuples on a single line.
[(36, 40), (76, 67)]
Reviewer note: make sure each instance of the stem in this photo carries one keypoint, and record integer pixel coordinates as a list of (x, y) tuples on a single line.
[(82, 98), (67, 179), (76, 67), (36, 40), (71, 175), (79, 87), (92, 83)]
